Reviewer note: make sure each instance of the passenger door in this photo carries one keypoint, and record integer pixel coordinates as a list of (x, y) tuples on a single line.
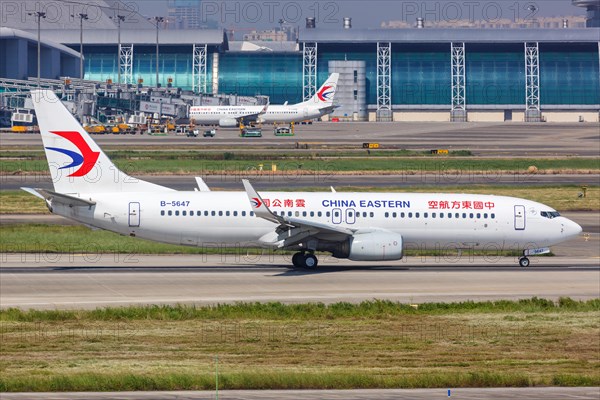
[(519, 218), (134, 214), (336, 216)]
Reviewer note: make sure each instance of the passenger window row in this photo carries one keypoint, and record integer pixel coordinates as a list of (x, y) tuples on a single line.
[(207, 213), (313, 214), (185, 213), (441, 215)]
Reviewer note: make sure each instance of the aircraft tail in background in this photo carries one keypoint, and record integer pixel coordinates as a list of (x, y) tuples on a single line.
[(324, 96)]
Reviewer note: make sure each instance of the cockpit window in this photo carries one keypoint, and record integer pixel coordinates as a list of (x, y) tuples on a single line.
[(550, 214)]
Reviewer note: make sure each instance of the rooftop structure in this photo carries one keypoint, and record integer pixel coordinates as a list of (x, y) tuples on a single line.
[(593, 11)]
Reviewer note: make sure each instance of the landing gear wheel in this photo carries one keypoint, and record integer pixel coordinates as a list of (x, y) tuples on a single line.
[(524, 262), (310, 261), (298, 260)]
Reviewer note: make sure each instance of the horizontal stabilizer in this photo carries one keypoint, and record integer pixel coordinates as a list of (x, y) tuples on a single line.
[(60, 198), (328, 110)]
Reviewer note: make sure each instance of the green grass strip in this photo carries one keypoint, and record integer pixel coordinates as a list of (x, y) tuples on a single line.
[(374, 309), (255, 380)]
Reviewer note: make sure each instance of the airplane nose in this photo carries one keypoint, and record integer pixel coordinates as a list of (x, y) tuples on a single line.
[(572, 229)]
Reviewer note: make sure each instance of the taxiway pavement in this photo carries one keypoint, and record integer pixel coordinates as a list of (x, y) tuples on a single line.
[(71, 281), (507, 139), (592, 393)]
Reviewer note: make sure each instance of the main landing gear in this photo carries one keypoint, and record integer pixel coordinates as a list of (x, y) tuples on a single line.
[(304, 260), (524, 262)]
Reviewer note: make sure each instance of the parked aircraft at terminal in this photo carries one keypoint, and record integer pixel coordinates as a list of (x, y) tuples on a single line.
[(230, 116), (90, 189)]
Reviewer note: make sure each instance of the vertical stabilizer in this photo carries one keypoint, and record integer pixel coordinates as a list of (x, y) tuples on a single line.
[(324, 96), (76, 162)]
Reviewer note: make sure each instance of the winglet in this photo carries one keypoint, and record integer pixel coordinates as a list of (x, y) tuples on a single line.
[(264, 109), (202, 186), (258, 205)]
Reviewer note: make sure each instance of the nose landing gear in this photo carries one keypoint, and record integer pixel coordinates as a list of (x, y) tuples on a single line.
[(303, 260), (524, 262)]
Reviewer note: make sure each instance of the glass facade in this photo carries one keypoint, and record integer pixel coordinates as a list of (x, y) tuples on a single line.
[(174, 62), (569, 77), (277, 75), (421, 75), (495, 77)]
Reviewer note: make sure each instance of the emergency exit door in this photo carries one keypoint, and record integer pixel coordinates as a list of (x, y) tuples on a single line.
[(350, 216), (134, 214), (519, 218)]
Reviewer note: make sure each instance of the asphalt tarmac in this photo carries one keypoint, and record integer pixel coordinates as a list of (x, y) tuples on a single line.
[(76, 281), (489, 139)]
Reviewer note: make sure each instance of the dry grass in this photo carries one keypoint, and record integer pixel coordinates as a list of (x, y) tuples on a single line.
[(20, 202), (378, 350)]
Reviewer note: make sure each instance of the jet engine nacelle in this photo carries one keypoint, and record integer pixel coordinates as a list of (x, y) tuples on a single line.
[(376, 245), (228, 122)]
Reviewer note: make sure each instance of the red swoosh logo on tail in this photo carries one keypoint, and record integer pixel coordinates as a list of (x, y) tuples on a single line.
[(89, 157), (321, 95)]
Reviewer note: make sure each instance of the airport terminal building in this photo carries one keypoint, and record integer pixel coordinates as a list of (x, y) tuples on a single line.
[(417, 74)]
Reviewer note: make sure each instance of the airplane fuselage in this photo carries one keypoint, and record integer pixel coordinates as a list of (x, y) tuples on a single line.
[(425, 221), (212, 115)]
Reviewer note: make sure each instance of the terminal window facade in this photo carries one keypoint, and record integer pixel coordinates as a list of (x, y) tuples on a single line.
[(565, 77), (495, 77), (277, 75), (174, 62), (421, 75)]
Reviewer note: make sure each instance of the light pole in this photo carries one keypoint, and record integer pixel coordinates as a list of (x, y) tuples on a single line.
[(157, 21), (39, 16), (81, 16), (119, 18)]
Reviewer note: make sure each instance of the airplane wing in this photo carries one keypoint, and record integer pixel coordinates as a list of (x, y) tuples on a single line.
[(253, 116), (291, 230)]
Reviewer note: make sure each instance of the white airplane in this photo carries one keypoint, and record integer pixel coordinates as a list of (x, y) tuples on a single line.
[(90, 189), (230, 116)]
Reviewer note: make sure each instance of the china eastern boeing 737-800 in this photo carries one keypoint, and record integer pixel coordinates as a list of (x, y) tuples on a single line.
[(90, 189), (229, 116)]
